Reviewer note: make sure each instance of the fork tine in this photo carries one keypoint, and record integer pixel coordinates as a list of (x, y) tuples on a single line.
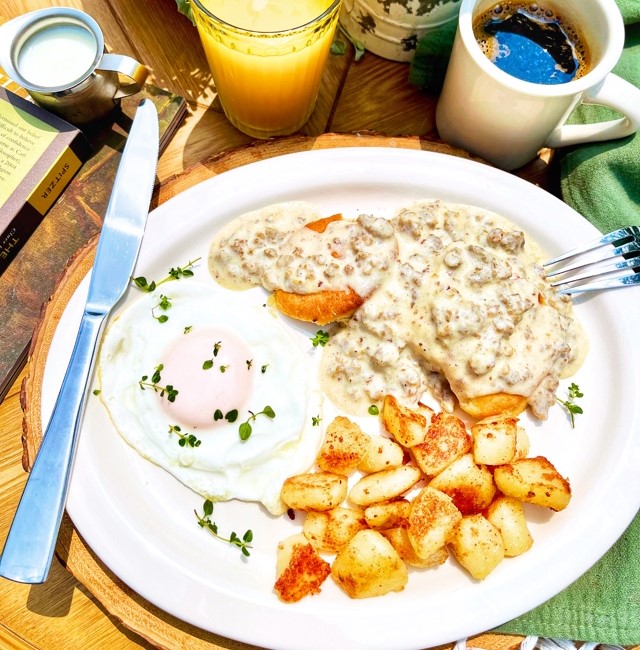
[(631, 232), (632, 263), (631, 247), (620, 281)]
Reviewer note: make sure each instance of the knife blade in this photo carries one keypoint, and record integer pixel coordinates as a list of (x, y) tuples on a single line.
[(30, 544)]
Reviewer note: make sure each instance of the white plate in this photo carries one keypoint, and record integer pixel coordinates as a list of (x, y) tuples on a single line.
[(140, 521)]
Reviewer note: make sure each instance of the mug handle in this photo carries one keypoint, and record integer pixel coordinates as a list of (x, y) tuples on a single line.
[(615, 93), (127, 66)]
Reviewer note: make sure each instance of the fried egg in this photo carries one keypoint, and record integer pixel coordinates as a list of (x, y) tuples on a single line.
[(212, 388)]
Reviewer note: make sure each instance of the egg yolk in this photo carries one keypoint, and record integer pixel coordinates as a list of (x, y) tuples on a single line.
[(212, 370)]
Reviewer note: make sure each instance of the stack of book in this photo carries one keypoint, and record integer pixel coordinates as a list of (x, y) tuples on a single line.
[(54, 190)]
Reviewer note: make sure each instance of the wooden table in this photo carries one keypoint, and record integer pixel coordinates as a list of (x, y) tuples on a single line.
[(370, 95)]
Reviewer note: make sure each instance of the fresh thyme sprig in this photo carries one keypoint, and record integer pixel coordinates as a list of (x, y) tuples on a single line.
[(175, 273), (169, 390), (570, 404), (246, 429), (184, 439), (164, 304), (320, 339), (204, 521)]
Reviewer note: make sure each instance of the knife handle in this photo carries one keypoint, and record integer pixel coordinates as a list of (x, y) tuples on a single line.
[(29, 547)]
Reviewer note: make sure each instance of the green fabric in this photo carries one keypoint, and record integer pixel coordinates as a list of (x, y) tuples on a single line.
[(602, 182)]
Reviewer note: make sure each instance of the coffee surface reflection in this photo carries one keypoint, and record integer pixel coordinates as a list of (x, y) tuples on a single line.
[(532, 42)]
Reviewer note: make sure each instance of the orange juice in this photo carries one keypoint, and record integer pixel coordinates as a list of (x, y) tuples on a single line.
[(267, 58)]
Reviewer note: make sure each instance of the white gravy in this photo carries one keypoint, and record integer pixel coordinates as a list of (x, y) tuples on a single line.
[(457, 302)]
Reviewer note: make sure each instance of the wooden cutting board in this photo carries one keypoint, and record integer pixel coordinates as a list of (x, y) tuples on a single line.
[(158, 628)]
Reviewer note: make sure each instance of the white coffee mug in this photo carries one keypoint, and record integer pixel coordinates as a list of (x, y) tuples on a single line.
[(507, 121)]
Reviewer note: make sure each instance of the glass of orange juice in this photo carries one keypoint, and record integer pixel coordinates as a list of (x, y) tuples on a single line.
[(267, 58)]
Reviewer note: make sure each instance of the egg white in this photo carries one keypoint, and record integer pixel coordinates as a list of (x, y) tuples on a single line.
[(223, 466)]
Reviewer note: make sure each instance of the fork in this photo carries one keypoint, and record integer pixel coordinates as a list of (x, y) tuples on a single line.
[(599, 264)]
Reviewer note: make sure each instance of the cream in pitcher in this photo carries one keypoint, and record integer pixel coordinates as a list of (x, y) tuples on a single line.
[(267, 58), (505, 109)]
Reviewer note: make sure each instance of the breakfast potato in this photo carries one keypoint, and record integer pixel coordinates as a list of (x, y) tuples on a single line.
[(314, 491), (329, 531), (494, 440), (477, 545), (507, 515), (300, 571), (534, 480), (446, 440), (368, 565), (522, 444), (469, 485), (344, 447), (383, 453), (391, 514), (406, 425), (432, 519), (399, 538), (385, 485)]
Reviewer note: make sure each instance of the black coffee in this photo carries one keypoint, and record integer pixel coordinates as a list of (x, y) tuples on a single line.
[(531, 42)]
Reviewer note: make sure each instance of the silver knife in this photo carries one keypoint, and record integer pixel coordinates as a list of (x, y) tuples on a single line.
[(29, 547)]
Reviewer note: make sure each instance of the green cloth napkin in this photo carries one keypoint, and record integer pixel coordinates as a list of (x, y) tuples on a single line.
[(602, 182)]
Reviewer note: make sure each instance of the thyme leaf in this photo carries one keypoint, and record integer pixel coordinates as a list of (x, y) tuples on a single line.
[(205, 521), (570, 403), (174, 274)]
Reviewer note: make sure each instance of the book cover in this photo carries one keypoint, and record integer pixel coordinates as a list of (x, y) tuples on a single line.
[(39, 155), (76, 216)]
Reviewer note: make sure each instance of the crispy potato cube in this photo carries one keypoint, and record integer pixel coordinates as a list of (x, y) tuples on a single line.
[(432, 519), (407, 426), (343, 448), (399, 538), (369, 566), (385, 485), (383, 453), (522, 444), (300, 570), (494, 440), (391, 514), (477, 545), (314, 491), (329, 531), (507, 515), (470, 486), (534, 480), (446, 440)]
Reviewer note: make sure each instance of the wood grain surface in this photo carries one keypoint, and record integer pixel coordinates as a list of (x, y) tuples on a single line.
[(157, 627)]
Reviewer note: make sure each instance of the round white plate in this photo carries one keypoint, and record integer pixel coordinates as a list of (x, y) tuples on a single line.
[(140, 521)]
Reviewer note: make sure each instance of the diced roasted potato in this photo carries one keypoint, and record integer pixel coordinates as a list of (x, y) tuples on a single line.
[(343, 448), (314, 491), (407, 426), (507, 515), (399, 538), (477, 545), (385, 485), (446, 440), (494, 440), (299, 570), (470, 486), (391, 514), (369, 566), (329, 531), (522, 444), (383, 453), (534, 480), (432, 519)]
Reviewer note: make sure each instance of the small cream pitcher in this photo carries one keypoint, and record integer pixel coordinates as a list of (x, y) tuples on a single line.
[(58, 56)]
